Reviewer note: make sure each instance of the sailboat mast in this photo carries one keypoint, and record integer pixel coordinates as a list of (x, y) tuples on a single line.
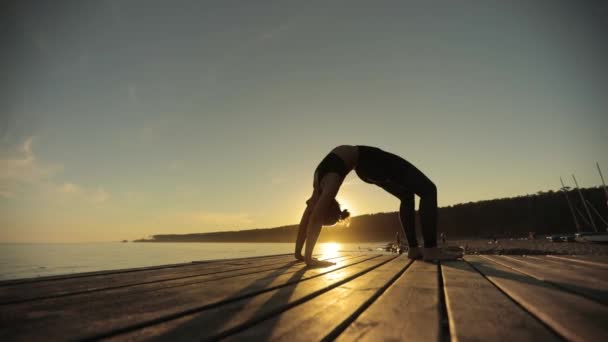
[(584, 204), (564, 188), (603, 183)]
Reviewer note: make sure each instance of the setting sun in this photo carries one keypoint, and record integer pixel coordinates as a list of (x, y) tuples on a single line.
[(346, 204)]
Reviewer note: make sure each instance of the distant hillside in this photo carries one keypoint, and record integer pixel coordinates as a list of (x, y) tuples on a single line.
[(543, 213)]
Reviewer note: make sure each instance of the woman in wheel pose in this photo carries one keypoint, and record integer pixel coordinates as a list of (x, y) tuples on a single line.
[(386, 170)]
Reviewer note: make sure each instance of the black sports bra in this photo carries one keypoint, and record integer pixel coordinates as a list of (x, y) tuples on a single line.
[(331, 163)]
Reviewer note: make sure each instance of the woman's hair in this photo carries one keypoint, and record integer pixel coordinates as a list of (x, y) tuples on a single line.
[(334, 214)]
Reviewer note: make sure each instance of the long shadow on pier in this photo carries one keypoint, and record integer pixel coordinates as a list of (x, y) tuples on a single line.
[(576, 289), (231, 318)]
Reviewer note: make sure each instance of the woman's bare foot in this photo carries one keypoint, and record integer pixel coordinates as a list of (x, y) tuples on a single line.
[(312, 262), (299, 256)]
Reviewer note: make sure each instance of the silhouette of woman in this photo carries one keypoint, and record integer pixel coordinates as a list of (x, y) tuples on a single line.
[(386, 170)]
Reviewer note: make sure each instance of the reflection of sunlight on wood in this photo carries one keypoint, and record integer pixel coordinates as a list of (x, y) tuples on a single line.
[(329, 250)]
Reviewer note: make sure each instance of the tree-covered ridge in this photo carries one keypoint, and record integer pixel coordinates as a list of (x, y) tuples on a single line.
[(542, 213)]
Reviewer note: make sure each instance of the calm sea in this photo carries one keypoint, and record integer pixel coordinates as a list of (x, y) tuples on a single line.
[(36, 260)]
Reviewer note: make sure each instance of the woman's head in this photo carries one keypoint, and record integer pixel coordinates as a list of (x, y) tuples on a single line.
[(334, 214)]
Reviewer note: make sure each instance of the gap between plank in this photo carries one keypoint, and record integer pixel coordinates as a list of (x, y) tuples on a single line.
[(169, 317), (288, 306), (559, 336), (11, 282), (342, 326), (584, 262), (75, 293), (444, 318), (552, 283)]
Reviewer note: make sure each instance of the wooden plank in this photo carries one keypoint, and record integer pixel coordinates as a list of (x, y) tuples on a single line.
[(596, 261), (135, 269), (116, 275), (593, 285), (582, 270), (566, 264), (478, 311), (222, 320), (101, 312), (323, 316), (407, 311), (81, 285), (573, 317), (603, 259)]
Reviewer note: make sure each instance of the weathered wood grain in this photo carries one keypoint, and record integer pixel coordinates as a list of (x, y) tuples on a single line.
[(99, 312), (16, 293), (317, 318), (138, 269), (407, 311), (571, 316), (478, 311), (374, 297), (226, 319), (589, 260), (565, 264), (589, 283)]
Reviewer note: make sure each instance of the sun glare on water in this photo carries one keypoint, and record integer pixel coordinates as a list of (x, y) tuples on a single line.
[(329, 249)]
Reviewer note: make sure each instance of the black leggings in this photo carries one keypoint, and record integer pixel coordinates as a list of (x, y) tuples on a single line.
[(404, 184)]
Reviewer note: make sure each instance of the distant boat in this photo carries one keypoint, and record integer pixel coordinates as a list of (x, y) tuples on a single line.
[(598, 237), (568, 238), (555, 238), (125, 240)]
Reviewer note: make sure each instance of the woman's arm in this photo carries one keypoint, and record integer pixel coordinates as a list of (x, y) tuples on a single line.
[(310, 204), (302, 230), (330, 185)]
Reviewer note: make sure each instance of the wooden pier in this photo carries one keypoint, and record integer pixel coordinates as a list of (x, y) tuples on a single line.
[(372, 297)]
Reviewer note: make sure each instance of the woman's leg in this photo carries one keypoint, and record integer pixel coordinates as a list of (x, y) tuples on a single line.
[(407, 212), (407, 215), (428, 213), (408, 176)]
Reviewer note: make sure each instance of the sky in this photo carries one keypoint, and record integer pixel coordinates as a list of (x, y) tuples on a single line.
[(124, 119)]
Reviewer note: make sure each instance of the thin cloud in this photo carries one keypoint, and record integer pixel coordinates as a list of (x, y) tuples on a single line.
[(96, 195), (24, 167)]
